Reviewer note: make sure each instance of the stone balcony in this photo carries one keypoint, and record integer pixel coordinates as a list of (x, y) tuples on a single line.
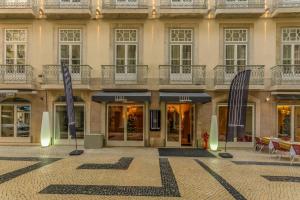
[(187, 9), (224, 74), (245, 9), (17, 9), (286, 8), (57, 9), (80, 74), (125, 9)]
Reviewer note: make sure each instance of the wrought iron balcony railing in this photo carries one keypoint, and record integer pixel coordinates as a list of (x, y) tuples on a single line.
[(224, 74), (80, 74), (124, 74), (193, 4), (286, 75), (125, 4), (183, 74), (16, 4), (67, 4), (225, 4), (16, 74), (287, 3)]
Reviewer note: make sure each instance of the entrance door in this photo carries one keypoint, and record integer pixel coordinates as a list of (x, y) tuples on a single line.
[(62, 135), (180, 124), (125, 125)]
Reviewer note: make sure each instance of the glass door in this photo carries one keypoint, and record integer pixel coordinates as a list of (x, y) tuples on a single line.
[(297, 124), (126, 61), (180, 125), (62, 135), (235, 59), (7, 121), (125, 125)]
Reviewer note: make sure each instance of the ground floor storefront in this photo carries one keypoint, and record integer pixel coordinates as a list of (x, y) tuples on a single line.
[(146, 118)]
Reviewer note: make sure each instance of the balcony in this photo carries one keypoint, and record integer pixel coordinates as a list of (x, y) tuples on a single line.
[(224, 74), (193, 8), (80, 74), (120, 76), (238, 8), (285, 77), (16, 77), (286, 8), (125, 8), (17, 9), (67, 9), (181, 76)]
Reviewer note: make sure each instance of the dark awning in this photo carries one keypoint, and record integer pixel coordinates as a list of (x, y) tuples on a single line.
[(185, 97), (122, 96)]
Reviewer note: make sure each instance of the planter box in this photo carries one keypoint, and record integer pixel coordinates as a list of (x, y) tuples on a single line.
[(93, 141)]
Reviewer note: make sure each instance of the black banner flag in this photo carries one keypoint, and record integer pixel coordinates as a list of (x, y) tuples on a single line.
[(69, 99), (237, 105)]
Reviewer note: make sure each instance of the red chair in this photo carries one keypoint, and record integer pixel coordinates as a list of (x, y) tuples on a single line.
[(258, 144)]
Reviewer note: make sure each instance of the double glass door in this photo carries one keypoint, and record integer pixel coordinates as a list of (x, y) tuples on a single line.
[(235, 59), (62, 135), (125, 124), (126, 61), (181, 61), (291, 61), (70, 56), (180, 124)]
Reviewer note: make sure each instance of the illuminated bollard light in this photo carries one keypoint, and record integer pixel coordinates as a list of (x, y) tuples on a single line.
[(213, 136), (45, 130)]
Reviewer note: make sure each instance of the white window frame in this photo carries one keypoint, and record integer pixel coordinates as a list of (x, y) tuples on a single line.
[(182, 2), (15, 137), (126, 76), (129, 3), (181, 76), (75, 76), (15, 43), (290, 71)]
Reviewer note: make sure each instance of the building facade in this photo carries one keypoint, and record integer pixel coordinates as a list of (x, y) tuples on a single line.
[(148, 73)]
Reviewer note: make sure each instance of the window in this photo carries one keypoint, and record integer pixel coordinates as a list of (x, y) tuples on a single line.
[(15, 46), (249, 129), (181, 41), (127, 2), (288, 122), (236, 49), (125, 122), (181, 2), (126, 47), (290, 51), (15, 120), (70, 50)]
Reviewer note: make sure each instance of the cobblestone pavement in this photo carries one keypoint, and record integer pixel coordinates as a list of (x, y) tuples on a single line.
[(196, 178)]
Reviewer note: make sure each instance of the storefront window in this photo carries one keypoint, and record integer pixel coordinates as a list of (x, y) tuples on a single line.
[(135, 123), (126, 123), (61, 122), (173, 123), (15, 120), (222, 122), (284, 122)]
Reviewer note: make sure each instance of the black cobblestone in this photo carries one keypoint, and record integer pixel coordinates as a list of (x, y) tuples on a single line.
[(122, 164), (11, 175), (169, 186), (292, 179), (184, 152), (266, 163), (235, 194)]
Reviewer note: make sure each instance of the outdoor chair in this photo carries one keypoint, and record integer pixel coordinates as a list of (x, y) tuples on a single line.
[(278, 149), (258, 144), (296, 148)]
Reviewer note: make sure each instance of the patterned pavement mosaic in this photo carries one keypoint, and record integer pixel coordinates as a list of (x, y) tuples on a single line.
[(140, 173)]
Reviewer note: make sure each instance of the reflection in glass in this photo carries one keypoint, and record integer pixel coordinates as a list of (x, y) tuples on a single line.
[(115, 123), (135, 124), (7, 121), (173, 123), (297, 123), (284, 122), (222, 123), (23, 121), (61, 117), (61, 128)]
